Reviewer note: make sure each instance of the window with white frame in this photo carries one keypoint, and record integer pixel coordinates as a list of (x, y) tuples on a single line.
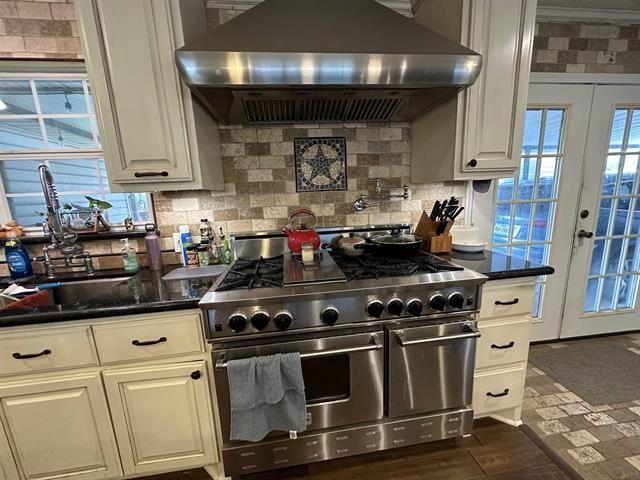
[(50, 118), (526, 203)]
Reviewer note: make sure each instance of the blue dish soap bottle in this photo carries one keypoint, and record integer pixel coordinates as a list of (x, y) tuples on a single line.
[(17, 258)]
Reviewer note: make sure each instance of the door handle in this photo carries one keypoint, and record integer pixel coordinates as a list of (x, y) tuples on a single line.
[(404, 341), (511, 302), (150, 174), (23, 356), (584, 234), (503, 347), (498, 395), (146, 343), (221, 362)]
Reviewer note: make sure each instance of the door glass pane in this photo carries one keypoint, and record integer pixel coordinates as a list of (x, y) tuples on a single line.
[(61, 97), (615, 254), (523, 222)]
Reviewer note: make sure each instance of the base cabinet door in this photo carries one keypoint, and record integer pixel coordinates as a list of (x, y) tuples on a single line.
[(8, 470), (162, 416), (58, 427)]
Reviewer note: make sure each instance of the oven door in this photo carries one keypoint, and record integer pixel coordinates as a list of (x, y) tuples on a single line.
[(343, 377), (431, 367)]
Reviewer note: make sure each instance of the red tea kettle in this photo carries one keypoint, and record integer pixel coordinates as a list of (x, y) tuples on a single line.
[(298, 232)]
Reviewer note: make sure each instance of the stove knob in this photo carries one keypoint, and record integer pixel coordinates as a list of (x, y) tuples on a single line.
[(456, 300), (437, 302), (375, 308), (394, 306), (329, 315), (414, 307), (283, 320), (260, 320), (237, 322)]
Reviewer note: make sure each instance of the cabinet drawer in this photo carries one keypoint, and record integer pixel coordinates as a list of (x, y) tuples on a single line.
[(49, 349), (498, 390), (507, 300), (503, 343), (164, 336)]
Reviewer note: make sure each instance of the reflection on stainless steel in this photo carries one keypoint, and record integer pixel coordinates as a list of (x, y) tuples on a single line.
[(366, 63), (430, 367), (375, 378), (345, 442), (364, 400)]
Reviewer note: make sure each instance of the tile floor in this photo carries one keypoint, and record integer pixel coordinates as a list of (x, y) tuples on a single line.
[(601, 442)]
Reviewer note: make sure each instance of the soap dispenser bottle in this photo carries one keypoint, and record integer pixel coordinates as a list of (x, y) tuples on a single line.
[(17, 258), (129, 257)]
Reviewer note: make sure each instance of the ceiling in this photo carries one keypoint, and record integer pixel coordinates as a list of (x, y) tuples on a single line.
[(596, 4), (599, 4)]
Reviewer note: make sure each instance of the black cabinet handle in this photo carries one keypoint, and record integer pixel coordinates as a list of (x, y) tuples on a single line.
[(196, 375), (150, 174), (22, 356), (497, 395), (512, 302), (503, 347), (473, 163), (146, 343)]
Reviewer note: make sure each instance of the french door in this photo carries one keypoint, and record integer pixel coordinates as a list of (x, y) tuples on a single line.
[(602, 291), (573, 204)]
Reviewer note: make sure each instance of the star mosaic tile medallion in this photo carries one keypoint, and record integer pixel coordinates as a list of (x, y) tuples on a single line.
[(321, 164)]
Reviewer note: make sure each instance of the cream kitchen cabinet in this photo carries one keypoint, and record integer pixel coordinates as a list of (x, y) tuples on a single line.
[(478, 133), (162, 416), (503, 349), (8, 470), (58, 426), (154, 134)]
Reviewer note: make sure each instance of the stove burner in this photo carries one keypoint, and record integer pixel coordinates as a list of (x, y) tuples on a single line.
[(374, 266), (252, 273)]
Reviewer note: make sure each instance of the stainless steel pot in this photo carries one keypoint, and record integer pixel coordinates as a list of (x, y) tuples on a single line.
[(351, 245)]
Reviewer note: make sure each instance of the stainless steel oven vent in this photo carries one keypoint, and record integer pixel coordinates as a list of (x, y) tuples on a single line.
[(319, 110), (360, 45)]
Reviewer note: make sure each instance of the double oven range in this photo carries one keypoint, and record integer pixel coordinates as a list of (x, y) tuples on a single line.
[(387, 347)]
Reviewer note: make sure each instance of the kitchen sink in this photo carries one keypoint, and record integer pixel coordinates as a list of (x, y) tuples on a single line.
[(68, 293)]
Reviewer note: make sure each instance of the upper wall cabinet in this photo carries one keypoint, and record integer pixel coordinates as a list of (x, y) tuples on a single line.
[(478, 133), (154, 134)]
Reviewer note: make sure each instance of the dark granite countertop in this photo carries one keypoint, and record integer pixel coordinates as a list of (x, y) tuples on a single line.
[(498, 266), (141, 293)]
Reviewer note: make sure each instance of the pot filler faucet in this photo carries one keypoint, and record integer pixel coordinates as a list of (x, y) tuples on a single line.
[(64, 241)]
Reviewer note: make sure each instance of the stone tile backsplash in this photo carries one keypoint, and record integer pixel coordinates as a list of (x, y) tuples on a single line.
[(260, 190), (576, 47)]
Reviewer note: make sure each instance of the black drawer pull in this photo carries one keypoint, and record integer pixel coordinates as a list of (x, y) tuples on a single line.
[(503, 347), (196, 375), (146, 343), (150, 174), (497, 395), (512, 302), (23, 356)]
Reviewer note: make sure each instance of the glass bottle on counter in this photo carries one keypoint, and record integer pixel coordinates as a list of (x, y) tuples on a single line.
[(225, 252), (203, 254)]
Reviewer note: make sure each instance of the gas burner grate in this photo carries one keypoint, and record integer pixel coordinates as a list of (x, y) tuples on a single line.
[(253, 273), (374, 266)]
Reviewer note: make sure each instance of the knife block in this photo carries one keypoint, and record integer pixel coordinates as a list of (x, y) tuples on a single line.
[(434, 242)]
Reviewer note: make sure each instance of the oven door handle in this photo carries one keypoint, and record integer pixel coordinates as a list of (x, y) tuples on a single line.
[(221, 362), (404, 341)]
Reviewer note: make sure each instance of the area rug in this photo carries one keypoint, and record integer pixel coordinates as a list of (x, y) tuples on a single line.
[(600, 370)]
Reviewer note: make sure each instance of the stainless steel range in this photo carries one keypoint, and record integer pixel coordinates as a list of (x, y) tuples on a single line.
[(387, 346)]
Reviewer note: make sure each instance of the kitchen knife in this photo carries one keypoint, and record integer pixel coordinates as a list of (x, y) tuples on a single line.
[(455, 215), (436, 210)]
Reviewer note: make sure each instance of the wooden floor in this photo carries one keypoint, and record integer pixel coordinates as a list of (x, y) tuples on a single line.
[(495, 451)]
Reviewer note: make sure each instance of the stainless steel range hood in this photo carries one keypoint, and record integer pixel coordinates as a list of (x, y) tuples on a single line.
[(295, 61)]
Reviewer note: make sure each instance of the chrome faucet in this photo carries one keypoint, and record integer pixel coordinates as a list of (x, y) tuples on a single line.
[(362, 202), (65, 241)]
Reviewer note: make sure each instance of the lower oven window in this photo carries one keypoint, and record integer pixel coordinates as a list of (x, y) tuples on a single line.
[(326, 379)]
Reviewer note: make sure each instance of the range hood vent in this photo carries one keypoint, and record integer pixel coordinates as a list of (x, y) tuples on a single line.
[(331, 106), (296, 61)]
